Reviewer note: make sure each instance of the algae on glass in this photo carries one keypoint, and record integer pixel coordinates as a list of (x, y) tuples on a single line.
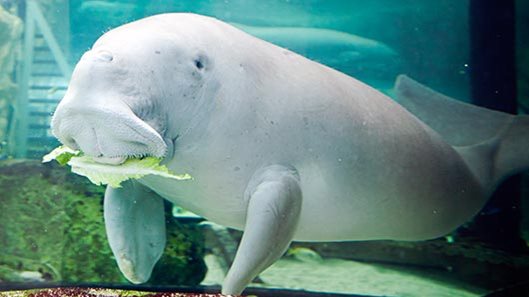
[(52, 224)]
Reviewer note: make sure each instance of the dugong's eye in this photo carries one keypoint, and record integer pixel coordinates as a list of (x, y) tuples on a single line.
[(202, 62), (199, 64)]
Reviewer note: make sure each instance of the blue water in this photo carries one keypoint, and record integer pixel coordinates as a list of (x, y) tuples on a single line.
[(428, 40)]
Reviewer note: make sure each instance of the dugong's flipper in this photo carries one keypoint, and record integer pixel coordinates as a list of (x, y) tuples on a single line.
[(135, 225), (274, 205)]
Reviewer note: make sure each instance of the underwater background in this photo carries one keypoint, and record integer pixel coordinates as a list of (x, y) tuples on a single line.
[(51, 222)]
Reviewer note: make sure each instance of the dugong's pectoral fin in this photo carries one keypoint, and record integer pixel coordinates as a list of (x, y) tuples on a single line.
[(274, 205), (135, 226)]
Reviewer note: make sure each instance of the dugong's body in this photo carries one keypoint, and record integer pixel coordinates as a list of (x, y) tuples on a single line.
[(367, 167), (278, 145)]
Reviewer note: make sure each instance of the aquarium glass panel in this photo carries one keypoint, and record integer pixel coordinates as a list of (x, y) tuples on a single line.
[(273, 148)]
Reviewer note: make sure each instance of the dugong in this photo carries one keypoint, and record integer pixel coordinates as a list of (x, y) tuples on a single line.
[(279, 146)]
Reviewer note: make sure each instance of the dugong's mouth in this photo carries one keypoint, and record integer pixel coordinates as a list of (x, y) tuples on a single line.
[(117, 160), (111, 160), (109, 136)]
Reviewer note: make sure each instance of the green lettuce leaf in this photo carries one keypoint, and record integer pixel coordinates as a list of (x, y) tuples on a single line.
[(112, 175), (61, 154)]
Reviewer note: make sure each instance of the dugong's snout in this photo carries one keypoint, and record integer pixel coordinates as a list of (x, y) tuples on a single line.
[(109, 133)]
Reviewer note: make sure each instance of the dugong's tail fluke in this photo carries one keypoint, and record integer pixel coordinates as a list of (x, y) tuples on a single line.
[(512, 155), (493, 144)]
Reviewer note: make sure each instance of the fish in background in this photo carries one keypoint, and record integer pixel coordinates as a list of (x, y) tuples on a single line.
[(361, 57)]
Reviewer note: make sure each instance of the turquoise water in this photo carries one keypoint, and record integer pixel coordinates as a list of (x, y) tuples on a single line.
[(427, 40), (51, 221)]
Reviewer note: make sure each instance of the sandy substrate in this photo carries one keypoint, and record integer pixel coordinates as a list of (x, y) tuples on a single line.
[(341, 276), (96, 292)]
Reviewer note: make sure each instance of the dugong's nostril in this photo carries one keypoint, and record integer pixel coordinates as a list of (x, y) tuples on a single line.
[(103, 56), (98, 56)]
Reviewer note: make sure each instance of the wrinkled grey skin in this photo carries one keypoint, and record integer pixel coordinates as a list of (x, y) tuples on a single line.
[(279, 146)]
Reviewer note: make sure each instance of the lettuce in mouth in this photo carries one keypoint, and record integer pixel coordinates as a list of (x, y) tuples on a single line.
[(106, 174)]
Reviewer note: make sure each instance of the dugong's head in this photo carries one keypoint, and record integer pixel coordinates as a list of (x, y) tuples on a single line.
[(137, 90)]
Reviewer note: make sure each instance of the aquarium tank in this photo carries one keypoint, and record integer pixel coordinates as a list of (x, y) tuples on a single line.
[(264, 148)]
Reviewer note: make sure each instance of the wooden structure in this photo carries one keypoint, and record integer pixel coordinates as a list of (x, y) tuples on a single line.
[(42, 78)]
